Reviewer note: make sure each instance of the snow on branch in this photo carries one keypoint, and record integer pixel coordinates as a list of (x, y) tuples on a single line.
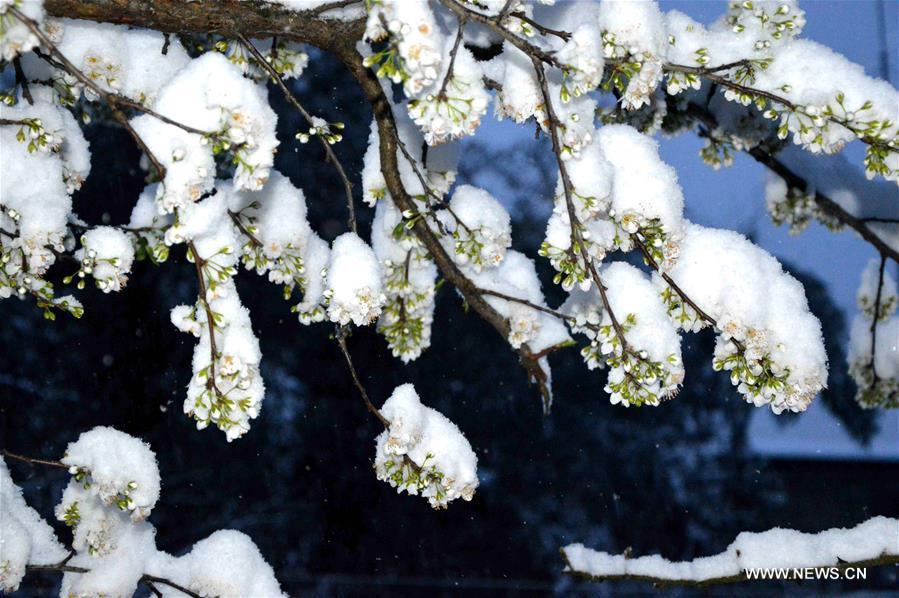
[(874, 542)]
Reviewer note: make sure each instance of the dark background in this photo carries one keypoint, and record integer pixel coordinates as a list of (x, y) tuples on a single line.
[(678, 480)]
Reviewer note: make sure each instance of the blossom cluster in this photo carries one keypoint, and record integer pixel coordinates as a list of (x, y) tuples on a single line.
[(229, 119), (354, 288), (424, 453), (276, 239), (642, 350), (106, 254), (769, 341), (409, 277), (479, 226), (226, 388), (285, 57)]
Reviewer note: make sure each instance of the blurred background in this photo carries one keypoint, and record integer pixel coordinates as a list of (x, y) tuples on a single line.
[(681, 479)]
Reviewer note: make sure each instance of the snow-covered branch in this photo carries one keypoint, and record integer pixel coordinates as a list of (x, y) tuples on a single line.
[(872, 543)]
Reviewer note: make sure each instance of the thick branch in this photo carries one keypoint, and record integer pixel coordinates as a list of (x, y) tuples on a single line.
[(230, 18), (389, 140)]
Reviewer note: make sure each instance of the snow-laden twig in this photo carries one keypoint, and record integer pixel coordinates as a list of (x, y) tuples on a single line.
[(872, 543)]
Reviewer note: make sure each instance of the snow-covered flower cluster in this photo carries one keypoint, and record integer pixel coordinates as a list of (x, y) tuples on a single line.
[(114, 486), (276, 239), (644, 360), (226, 388), (452, 106), (633, 35), (354, 289), (480, 227), (43, 139), (46, 139), (106, 254), (211, 96), (768, 340), (415, 44), (26, 538), (519, 96), (423, 452), (622, 194), (118, 59), (583, 58), (875, 328), (409, 276)]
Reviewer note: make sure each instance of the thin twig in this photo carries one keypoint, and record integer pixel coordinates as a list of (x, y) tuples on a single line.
[(235, 218), (441, 95), (32, 461), (543, 29), (342, 333), (170, 583), (22, 80), (874, 320), (199, 264), (676, 288), (329, 151), (576, 239)]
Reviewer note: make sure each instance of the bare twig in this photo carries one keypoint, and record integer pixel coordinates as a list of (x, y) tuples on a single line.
[(32, 461), (874, 320), (441, 95), (342, 333), (22, 80), (329, 151), (676, 288), (151, 579), (235, 218), (543, 29)]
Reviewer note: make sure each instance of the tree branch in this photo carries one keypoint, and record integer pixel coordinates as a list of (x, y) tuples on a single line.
[(389, 144), (342, 333), (875, 319), (230, 18), (796, 181), (32, 461), (661, 582)]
